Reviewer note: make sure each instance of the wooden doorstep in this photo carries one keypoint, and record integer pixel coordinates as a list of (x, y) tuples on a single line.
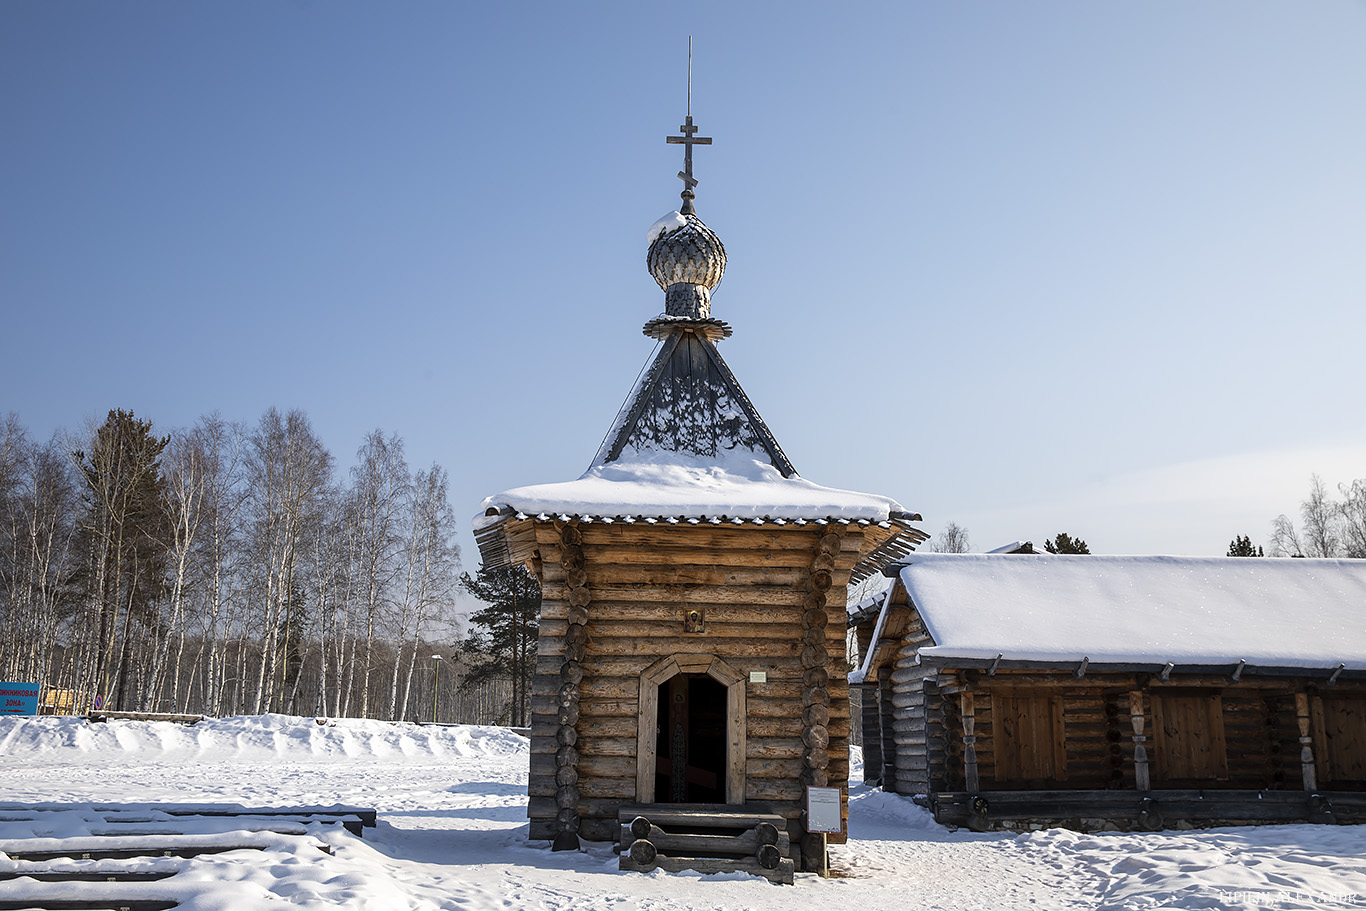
[(689, 845), (715, 815)]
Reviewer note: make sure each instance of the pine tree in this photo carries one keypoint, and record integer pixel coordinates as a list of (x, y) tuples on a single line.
[(1241, 546), (504, 634), (1063, 543), (127, 527)]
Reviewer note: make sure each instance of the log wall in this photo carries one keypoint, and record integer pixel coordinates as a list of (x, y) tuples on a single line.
[(773, 601), (905, 717)]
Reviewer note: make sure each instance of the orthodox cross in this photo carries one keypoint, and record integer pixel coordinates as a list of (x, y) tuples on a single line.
[(688, 140)]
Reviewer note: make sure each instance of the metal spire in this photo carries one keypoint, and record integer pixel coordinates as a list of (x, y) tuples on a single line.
[(688, 140)]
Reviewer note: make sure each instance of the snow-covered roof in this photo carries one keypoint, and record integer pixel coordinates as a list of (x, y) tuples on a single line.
[(1015, 547), (731, 486), (1142, 609)]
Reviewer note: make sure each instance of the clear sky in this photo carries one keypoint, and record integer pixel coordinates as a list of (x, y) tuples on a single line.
[(1030, 267)]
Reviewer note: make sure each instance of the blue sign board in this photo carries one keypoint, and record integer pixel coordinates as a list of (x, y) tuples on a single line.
[(18, 698)]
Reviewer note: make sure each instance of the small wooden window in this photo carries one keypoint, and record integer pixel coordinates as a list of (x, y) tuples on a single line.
[(1027, 737), (1340, 740), (1188, 738)]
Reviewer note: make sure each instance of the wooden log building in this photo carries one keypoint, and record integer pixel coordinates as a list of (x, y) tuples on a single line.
[(1092, 692), (691, 656)]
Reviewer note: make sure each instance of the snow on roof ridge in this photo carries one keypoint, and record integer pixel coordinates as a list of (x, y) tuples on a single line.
[(1153, 608)]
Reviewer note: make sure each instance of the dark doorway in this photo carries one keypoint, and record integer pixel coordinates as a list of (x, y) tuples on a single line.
[(691, 750)]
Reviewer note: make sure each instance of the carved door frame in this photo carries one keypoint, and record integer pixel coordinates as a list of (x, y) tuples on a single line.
[(647, 720)]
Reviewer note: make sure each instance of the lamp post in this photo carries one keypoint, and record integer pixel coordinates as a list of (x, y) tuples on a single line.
[(436, 684)]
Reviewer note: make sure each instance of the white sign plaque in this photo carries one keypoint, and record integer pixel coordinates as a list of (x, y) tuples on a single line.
[(823, 810), (758, 676)]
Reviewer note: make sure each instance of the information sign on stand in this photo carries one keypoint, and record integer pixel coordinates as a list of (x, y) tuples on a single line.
[(822, 819), (18, 698), (823, 811)]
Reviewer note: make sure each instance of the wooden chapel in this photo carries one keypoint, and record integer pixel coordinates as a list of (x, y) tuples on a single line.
[(691, 669)]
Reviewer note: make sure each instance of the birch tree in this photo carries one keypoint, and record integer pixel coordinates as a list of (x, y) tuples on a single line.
[(380, 485), (289, 469), (433, 559)]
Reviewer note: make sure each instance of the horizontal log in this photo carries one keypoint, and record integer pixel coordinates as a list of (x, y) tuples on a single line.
[(597, 829), (609, 708), (689, 845), (594, 727), (726, 648), (773, 789), (613, 788), (549, 705), (614, 575), (609, 687), (703, 535), (779, 769), (781, 726), (600, 766), (908, 726), (778, 669), (687, 594), (589, 808), (592, 745), (639, 611), (910, 678), (774, 747), (672, 629), (597, 556)]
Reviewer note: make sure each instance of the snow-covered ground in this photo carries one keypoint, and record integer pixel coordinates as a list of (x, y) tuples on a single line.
[(452, 834)]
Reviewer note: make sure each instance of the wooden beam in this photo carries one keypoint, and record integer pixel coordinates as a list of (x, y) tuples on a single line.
[(1307, 770), (1142, 779), (969, 743)]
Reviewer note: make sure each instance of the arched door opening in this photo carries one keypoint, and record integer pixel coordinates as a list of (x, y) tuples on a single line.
[(690, 750), (690, 732)]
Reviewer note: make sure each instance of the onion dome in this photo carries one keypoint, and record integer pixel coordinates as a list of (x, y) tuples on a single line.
[(688, 260)]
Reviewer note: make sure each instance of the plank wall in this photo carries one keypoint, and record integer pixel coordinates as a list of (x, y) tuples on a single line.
[(1260, 734)]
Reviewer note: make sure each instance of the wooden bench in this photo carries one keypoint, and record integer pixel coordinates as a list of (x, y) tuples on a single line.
[(101, 717), (89, 904), (705, 839), (284, 820), (128, 831)]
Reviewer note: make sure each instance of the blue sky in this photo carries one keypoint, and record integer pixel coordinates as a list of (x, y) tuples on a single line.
[(1027, 267)]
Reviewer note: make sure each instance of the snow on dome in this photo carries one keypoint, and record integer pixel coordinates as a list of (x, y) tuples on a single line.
[(677, 485), (670, 222), (1141, 609)]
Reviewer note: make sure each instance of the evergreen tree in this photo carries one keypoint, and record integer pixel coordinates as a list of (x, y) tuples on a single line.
[(504, 634), (1241, 546), (1063, 543), (127, 528)]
